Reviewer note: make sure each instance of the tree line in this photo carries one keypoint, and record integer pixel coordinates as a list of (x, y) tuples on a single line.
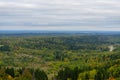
[(22, 74)]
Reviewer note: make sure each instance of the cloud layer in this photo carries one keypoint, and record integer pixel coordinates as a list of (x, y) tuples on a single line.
[(60, 14)]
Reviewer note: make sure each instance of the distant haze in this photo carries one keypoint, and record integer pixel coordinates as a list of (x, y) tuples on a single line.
[(67, 15)]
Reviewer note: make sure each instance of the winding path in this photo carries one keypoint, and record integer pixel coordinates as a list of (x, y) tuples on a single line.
[(111, 48)]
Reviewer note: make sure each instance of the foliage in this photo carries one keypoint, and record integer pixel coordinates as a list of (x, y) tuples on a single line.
[(59, 57)]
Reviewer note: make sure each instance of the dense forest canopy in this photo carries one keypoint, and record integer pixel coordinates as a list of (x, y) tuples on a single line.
[(60, 56)]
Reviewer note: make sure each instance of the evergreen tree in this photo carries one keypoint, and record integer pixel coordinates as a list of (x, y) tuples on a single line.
[(40, 75), (10, 71)]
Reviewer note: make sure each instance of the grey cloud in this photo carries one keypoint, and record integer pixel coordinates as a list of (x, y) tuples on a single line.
[(58, 13)]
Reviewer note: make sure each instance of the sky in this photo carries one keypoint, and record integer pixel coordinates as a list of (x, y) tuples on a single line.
[(76, 15)]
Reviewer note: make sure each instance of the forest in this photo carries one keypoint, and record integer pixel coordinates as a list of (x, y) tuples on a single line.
[(59, 56)]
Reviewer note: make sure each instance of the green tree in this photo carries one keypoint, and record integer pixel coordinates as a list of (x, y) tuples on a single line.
[(40, 75), (10, 71)]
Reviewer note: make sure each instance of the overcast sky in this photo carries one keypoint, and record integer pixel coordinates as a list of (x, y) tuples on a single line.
[(60, 15)]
